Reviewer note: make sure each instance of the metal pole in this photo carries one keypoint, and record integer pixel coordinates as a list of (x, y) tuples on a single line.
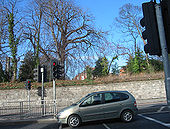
[(54, 97), (20, 110), (42, 91), (164, 51), (29, 99), (54, 90)]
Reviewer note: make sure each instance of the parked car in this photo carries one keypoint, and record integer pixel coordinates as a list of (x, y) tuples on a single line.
[(98, 106)]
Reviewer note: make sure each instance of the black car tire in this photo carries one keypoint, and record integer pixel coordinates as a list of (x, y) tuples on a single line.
[(74, 121), (127, 116)]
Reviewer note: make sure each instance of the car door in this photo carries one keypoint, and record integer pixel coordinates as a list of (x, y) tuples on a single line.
[(113, 105), (92, 108)]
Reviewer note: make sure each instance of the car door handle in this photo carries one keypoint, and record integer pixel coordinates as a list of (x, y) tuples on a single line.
[(102, 107)]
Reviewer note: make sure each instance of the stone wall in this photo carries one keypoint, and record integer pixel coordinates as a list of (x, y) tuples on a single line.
[(142, 90)]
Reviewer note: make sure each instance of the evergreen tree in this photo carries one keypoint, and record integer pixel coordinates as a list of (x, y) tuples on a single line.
[(101, 68), (2, 74), (26, 69), (156, 65), (130, 64), (89, 72), (104, 65), (138, 63)]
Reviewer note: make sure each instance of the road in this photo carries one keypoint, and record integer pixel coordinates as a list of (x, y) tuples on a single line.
[(158, 118), (141, 121)]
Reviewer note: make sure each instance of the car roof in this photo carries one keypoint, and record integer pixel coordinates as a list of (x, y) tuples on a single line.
[(98, 92)]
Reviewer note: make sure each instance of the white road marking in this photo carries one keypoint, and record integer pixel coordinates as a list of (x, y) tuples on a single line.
[(155, 112), (161, 109), (106, 126), (151, 119)]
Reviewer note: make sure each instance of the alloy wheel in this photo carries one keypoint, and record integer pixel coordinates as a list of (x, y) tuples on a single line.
[(74, 121), (127, 116)]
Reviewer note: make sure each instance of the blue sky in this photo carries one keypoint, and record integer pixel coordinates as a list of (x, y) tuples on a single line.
[(105, 12)]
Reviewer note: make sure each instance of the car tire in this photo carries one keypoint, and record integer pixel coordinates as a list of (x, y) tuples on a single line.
[(127, 116), (74, 121)]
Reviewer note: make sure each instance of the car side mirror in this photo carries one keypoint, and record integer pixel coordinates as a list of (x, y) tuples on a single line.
[(83, 104)]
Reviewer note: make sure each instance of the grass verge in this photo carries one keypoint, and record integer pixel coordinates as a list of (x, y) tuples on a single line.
[(102, 80)]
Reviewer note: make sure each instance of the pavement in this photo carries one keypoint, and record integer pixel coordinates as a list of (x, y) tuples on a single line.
[(26, 121), (144, 106)]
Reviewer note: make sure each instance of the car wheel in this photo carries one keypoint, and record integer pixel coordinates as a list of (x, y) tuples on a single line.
[(127, 116), (74, 121)]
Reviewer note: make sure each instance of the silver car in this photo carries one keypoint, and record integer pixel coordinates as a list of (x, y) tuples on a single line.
[(98, 106)]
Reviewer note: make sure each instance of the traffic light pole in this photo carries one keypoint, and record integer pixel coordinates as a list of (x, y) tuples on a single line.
[(164, 51), (28, 87), (28, 98), (54, 96), (42, 92)]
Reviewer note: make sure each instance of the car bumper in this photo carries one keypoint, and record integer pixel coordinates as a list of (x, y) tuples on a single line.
[(62, 120), (135, 111)]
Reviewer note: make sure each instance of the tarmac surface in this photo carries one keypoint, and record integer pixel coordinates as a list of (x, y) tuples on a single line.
[(143, 106)]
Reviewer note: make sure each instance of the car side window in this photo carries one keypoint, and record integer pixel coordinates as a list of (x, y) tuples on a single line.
[(108, 97), (93, 100), (123, 96), (111, 97)]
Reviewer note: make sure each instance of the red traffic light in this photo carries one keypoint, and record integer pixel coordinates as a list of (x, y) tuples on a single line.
[(54, 63), (28, 84)]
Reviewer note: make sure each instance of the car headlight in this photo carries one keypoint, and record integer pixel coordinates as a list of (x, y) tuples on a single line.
[(58, 114), (63, 114)]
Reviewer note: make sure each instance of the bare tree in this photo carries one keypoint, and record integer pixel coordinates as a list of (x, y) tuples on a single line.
[(12, 33), (72, 29), (33, 27), (129, 22), (3, 29)]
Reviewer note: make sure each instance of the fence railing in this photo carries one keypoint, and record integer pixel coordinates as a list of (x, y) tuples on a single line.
[(25, 109)]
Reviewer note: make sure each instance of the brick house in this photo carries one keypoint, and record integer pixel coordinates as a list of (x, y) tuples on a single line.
[(122, 71), (81, 76)]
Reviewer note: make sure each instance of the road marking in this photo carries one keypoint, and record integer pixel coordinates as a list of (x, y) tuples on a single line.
[(151, 119), (105, 126), (161, 109), (150, 113)]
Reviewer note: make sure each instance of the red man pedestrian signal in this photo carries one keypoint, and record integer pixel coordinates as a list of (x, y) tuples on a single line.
[(57, 70), (28, 85), (54, 69)]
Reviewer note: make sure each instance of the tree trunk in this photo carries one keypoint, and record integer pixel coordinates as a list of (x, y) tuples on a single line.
[(14, 70)]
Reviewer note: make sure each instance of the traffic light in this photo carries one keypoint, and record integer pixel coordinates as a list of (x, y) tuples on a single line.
[(60, 71), (39, 92), (151, 29), (54, 69), (45, 73), (57, 70), (37, 74), (165, 6), (28, 84)]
